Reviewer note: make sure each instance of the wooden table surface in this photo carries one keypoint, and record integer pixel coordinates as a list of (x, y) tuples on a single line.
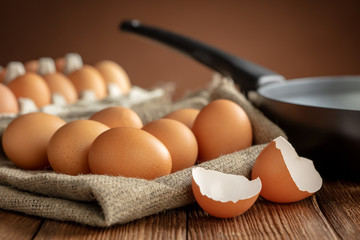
[(333, 213)]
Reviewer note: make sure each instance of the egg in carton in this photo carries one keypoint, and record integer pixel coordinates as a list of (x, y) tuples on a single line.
[(77, 90)]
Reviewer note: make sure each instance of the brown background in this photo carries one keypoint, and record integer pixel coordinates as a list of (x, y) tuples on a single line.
[(294, 38)]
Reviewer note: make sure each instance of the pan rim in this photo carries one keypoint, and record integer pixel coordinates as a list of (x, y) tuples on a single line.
[(284, 91)]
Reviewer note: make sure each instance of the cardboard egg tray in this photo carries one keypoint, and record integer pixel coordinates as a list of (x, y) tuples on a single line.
[(83, 108)]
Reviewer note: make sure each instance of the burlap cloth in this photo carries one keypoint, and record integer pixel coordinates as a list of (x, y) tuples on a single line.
[(99, 200)]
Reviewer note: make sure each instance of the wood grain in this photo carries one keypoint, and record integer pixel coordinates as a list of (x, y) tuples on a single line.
[(18, 226), (332, 213), (265, 220), (166, 225), (340, 203)]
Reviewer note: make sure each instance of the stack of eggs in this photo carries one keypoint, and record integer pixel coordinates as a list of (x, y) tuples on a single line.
[(38, 83)]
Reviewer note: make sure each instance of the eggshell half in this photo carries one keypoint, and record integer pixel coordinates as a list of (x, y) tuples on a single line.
[(285, 176), (223, 195)]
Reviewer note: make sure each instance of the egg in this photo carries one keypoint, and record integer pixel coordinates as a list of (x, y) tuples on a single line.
[(60, 64), (286, 177), (221, 127), (26, 138), (185, 115), (32, 66), (179, 140), (223, 195), (88, 78), (57, 82), (118, 116), (113, 73), (129, 152), (32, 86), (69, 146), (8, 101)]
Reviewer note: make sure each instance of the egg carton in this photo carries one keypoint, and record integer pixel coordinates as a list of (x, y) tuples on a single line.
[(88, 105)]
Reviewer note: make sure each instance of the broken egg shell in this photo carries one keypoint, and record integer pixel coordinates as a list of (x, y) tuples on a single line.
[(223, 195), (285, 176)]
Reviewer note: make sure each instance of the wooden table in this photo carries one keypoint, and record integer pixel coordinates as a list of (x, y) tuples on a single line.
[(333, 213)]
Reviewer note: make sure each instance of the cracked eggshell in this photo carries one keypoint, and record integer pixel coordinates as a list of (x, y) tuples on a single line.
[(285, 176), (224, 195)]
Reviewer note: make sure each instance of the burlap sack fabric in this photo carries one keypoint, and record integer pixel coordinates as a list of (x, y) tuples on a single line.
[(105, 200)]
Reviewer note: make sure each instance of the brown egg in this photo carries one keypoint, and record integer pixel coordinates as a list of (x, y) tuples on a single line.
[(59, 84), (179, 140), (129, 152), (69, 146), (88, 78), (114, 73), (118, 116), (222, 127), (60, 64), (223, 195), (186, 115), (285, 176), (26, 138), (8, 101), (33, 86), (32, 66)]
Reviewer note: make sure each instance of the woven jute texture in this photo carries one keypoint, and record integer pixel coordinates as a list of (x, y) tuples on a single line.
[(100, 200)]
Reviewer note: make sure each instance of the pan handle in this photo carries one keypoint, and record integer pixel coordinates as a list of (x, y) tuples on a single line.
[(247, 75)]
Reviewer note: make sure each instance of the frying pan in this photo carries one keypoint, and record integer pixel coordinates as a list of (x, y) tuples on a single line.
[(320, 115)]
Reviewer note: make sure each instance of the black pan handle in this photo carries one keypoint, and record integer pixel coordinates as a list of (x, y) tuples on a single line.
[(247, 75)]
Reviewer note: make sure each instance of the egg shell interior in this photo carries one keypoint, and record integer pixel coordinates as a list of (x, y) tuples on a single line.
[(230, 188)]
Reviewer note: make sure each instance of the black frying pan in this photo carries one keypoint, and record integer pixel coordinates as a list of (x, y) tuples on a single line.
[(320, 115)]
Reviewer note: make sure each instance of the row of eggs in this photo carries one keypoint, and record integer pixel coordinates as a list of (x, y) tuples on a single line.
[(113, 141), (64, 81)]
